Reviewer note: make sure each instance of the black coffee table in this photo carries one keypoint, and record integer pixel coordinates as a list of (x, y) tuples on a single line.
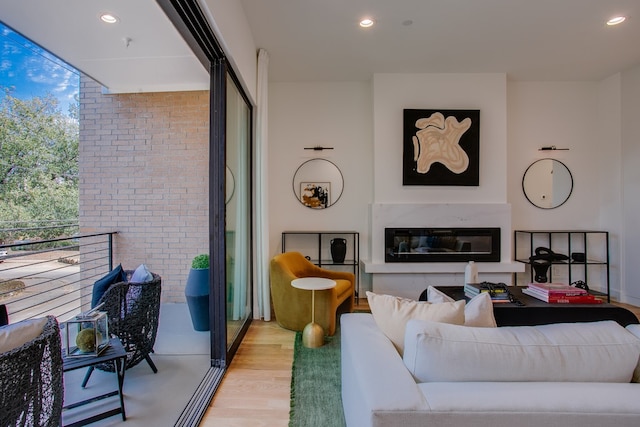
[(536, 312)]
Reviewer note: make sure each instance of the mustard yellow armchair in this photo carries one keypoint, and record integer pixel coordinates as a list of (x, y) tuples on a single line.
[(292, 306)]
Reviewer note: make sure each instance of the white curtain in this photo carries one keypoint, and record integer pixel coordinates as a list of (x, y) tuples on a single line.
[(262, 296), (240, 272)]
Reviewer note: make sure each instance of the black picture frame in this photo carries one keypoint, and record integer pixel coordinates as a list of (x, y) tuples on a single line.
[(441, 147)]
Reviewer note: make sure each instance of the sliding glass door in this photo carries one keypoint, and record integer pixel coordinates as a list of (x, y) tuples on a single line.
[(238, 212)]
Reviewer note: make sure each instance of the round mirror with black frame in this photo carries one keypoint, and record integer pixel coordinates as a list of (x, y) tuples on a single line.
[(547, 183), (318, 183)]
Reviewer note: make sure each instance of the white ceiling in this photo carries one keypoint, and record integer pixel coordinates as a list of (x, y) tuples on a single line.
[(319, 40), (157, 58)]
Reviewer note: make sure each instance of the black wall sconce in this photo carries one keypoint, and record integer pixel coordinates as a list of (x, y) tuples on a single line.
[(318, 148), (552, 148)]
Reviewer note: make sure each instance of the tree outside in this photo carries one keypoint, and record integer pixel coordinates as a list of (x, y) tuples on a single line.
[(38, 165)]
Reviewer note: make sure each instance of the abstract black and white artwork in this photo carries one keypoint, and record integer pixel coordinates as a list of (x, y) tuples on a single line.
[(441, 147)]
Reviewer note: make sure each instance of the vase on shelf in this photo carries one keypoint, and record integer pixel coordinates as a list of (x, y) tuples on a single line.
[(338, 250)]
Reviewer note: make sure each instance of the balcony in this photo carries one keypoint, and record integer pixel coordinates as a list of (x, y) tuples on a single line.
[(55, 277)]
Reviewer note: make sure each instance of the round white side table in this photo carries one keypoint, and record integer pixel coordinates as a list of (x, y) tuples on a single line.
[(313, 334)]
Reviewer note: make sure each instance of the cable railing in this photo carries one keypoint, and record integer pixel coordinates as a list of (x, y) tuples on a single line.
[(53, 276)]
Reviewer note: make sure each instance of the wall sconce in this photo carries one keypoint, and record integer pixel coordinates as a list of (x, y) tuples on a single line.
[(552, 148), (318, 148)]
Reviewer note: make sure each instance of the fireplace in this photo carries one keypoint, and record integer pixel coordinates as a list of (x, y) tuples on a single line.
[(442, 244)]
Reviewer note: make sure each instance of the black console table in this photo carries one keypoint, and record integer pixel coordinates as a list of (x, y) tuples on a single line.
[(536, 312)]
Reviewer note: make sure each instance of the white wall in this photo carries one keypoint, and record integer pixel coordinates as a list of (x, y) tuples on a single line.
[(581, 116), (564, 115), (230, 25), (395, 92), (609, 135), (364, 124), (630, 89), (335, 115)]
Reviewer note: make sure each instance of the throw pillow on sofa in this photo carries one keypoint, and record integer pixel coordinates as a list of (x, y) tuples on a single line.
[(116, 275), (478, 311), (562, 352), (392, 313)]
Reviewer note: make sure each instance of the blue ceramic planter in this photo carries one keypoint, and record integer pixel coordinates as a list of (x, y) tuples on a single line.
[(197, 293)]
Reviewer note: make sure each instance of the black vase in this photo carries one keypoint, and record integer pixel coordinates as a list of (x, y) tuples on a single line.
[(338, 250)]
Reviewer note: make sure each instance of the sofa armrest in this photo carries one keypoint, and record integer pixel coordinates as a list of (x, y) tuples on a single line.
[(374, 378)]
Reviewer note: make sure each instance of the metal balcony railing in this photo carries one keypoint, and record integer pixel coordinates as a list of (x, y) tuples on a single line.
[(53, 276)]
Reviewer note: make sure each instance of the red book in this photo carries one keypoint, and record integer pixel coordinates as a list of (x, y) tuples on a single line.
[(558, 289), (561, 299), (580, 299)]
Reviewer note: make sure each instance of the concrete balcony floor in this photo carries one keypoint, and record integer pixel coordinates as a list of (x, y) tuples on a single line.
[(182, 358)]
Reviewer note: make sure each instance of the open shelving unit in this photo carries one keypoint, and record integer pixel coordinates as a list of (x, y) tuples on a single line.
[(316, 246), (594, 244)]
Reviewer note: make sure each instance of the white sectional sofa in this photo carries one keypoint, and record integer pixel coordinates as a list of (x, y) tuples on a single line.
[(568, 375)]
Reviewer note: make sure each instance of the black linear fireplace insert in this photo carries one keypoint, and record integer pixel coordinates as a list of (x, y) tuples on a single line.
[(442, 244)]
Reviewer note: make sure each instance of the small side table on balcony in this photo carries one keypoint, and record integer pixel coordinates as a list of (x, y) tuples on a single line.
[(115, 354), (313, 334)]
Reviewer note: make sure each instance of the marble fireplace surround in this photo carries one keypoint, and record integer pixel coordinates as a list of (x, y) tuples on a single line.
[(405, 279)]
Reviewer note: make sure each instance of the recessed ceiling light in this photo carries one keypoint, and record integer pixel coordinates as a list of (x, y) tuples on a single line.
[(617, 20), (366, 23), (108, 18)]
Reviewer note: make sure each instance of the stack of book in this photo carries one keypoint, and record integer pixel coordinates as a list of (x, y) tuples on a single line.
[(560, 293), (498, 292)]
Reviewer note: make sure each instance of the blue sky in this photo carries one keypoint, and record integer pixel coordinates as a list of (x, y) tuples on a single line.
[(33, 71)]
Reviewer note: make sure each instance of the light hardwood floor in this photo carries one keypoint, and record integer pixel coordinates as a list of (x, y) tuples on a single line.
[(255, 390)]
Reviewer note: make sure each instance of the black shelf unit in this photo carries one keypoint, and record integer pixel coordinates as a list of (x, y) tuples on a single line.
[(316, 246), (593, 243)]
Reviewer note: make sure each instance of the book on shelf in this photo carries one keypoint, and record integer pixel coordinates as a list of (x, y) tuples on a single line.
[(561, 299), (561, 289)]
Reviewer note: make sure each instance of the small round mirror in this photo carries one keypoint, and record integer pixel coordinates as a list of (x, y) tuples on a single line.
[(547, 183), (318, 183)]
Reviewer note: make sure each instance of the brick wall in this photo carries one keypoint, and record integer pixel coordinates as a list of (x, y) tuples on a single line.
[(144, 173)]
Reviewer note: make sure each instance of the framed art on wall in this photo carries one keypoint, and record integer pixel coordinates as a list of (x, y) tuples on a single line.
[(315, 194), (441, 147)]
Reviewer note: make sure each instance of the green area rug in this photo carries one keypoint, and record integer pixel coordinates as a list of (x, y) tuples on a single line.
[(316, 399)]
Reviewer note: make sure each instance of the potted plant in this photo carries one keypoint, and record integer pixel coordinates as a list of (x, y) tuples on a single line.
[(197, 292)]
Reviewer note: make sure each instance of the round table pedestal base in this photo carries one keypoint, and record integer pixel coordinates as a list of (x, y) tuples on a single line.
[(313, 336)]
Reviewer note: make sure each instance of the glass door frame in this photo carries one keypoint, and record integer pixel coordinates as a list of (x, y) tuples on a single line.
[(193, 26)]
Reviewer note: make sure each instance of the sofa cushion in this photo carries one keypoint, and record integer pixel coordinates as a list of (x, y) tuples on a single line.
[(478, 311), (392, 313), (586, 352), (16, 334), (635, 330)]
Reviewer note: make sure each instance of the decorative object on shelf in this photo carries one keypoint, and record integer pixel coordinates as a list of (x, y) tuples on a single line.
[(441, 147), (542, 260), (471, 273), (547, 183), (197, 292), (318, 183), (318, 148), (87, 334), (577, 257), (338, 250)]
